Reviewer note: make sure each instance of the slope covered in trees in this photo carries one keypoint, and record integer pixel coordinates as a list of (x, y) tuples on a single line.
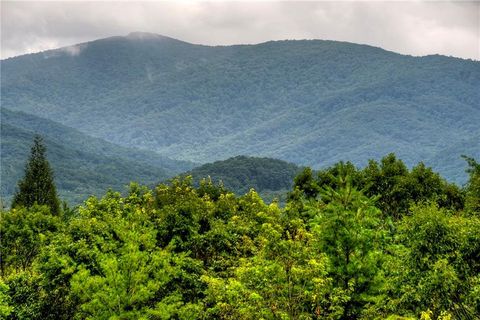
[(180, 252), (308, 102), (83, 165), (269, 177)]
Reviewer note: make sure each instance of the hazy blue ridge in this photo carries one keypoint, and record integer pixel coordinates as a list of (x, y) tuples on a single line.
[(83, 165), (269, 177), (308, 102)]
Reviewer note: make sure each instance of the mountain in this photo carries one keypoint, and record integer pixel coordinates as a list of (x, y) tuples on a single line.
[(83, 165), (310, 102), (269, 177)]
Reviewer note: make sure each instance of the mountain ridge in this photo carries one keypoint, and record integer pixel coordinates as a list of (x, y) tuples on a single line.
[(271, 178), (82, 165), (308, 102), (145, 35)]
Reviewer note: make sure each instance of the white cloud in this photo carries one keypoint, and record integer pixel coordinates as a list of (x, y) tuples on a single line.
[(413, 27), (74, 50)]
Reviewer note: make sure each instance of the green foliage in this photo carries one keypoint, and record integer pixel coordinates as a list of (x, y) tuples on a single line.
[(306, 184), (396, 186), (292, 287), (389, 179), (24, 295), (350, 233), (37, 186), (127, 281), (24, 232), (434, 268), (472, 202), (270, 177), (5, 301), (186, 252)]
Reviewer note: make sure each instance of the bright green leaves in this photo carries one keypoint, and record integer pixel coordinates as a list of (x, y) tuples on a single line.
[(437, 268), (472, 202), (129, 273), (24, 296), (349, 231), (285, 279), (105, 264), (127, 284), (396, 186), (23, 233), (5, 301), (181, 252)]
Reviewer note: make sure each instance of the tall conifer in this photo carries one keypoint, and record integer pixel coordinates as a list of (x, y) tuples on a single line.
[(37, 186), (472, 200)]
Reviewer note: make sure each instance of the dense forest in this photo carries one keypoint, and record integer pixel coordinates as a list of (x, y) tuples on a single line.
[(271, 178), (309, 102), (84, 166), (378, 242)]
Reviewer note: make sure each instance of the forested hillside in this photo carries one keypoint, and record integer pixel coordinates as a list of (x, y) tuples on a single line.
[(271, 178), (379, 242), (83, 165), (308, 102)]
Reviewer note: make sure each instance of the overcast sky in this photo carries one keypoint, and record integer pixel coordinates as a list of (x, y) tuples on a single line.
[(409, 27)]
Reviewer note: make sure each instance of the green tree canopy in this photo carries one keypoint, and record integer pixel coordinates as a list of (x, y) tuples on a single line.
[(472, 201), (336, 251), (37, 186)]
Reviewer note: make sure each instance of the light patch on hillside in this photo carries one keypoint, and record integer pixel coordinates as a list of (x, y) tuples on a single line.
[(74, 50), (149, 73)]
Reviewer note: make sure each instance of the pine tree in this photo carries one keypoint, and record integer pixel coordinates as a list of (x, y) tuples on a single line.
[(472, 201), (37, 186)]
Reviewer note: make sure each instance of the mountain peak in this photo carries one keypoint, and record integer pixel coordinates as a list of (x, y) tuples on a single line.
[(308, 102), (138, 35)]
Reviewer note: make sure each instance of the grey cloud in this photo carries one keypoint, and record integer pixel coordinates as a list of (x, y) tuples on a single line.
[(413, 27)]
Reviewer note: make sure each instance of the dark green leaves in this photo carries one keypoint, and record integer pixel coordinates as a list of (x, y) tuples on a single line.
[(37, 186)]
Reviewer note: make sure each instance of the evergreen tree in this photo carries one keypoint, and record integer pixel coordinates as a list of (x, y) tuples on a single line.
[(37, 186), (472, 201)]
